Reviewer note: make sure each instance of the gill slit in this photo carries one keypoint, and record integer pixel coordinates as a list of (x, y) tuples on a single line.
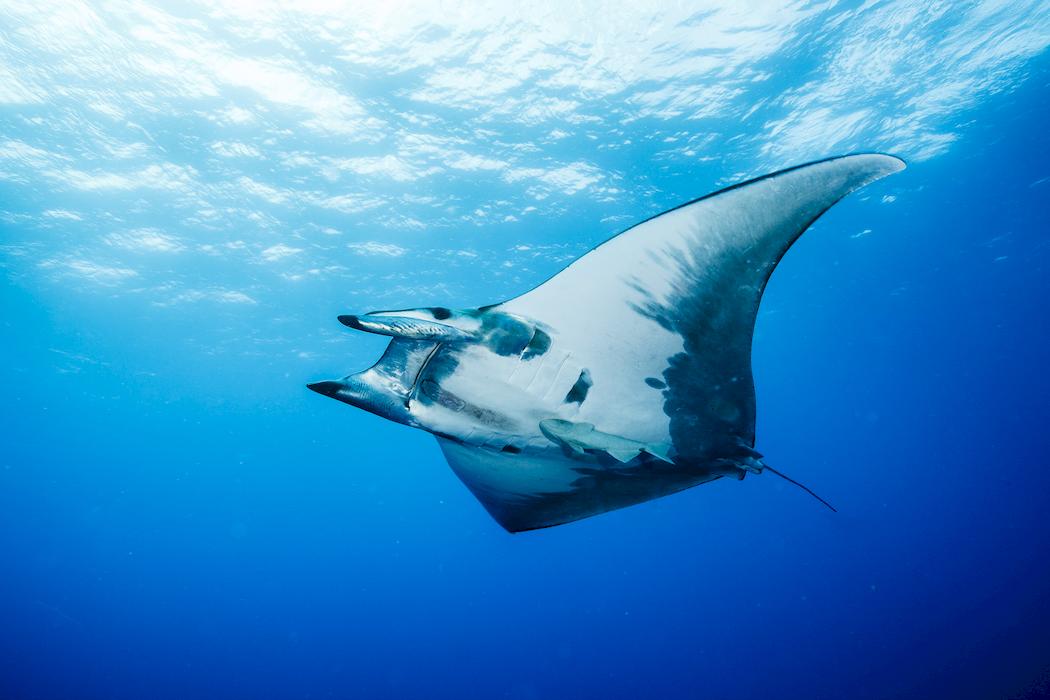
[(412, 390)]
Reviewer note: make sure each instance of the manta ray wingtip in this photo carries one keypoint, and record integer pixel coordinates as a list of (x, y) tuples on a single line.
[(890, 163), (898, 162)]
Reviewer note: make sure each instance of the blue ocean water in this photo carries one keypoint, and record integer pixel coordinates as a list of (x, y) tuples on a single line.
[(191, 193)]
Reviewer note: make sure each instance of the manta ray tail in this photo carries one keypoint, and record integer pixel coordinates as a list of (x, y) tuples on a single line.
[(802, 486)]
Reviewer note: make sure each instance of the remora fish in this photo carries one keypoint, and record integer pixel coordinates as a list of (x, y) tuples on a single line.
[(625, 377)]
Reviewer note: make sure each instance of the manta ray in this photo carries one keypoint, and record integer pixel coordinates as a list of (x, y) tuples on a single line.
[(624, 377)]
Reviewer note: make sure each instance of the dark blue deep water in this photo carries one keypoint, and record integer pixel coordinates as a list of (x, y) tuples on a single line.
[(190, 194)]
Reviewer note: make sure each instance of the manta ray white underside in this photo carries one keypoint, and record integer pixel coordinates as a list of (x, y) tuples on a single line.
[(625, 377)]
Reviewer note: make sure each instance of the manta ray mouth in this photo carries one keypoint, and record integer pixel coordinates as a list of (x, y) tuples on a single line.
[(387, 387)]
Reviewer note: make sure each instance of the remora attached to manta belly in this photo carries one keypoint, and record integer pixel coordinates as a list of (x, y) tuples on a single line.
[(625, 377)]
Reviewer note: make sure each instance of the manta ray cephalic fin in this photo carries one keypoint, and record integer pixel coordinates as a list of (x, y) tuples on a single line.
[(405, 327)]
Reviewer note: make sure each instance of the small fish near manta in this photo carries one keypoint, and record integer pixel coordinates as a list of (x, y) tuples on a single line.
[(625, 377)]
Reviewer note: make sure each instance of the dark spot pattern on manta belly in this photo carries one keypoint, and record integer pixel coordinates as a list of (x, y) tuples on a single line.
[(578, 392), (707, 410), (655, 383), (504, 334)]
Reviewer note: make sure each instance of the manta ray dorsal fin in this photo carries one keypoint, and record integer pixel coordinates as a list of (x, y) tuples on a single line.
[(668, 306)]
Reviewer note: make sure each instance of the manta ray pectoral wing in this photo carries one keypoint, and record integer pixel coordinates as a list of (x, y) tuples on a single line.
[(662, 315), (541, 488)]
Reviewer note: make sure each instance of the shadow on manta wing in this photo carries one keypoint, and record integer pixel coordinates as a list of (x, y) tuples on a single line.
[(624, 377)]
